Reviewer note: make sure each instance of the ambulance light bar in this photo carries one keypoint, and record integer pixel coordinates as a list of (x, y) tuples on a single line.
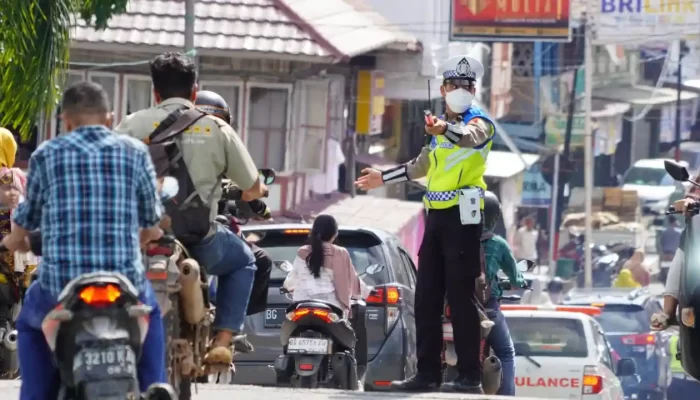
[(592, 311)]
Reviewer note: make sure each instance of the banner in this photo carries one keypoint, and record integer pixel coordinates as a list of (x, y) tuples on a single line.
[(510, 20), (632, 23)]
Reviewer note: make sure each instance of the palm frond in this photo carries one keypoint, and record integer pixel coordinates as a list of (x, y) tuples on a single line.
[(34, 51)]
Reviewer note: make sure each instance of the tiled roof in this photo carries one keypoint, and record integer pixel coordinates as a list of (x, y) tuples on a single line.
[(222, 25), (339, 29)]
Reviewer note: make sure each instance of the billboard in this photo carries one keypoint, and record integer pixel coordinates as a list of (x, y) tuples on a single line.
[(510, 20), (633, 23)]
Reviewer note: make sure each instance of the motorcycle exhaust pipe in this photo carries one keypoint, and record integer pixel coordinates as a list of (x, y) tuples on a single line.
[(10, 341)]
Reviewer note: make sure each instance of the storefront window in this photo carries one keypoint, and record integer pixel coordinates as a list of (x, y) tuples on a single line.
[(267, 133)]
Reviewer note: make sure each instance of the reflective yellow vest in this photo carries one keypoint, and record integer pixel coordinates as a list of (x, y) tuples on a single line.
[(453, 167), (676, 366)]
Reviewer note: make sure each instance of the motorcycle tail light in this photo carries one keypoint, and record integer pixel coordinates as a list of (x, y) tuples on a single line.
[(325, 315), (592, 381), (100, 295), (160, 251), (448, 314)]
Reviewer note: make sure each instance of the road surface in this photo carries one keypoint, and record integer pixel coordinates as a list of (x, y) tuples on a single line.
[(10, 390)]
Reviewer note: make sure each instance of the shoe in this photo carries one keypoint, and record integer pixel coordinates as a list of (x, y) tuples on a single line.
[(462, 385), (415, 384), (219, 354)]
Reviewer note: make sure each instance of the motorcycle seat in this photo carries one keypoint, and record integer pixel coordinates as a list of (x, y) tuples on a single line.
[(323, 305)]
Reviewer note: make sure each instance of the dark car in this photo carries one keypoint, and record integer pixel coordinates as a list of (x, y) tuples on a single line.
[(391, 331), (625, 318)]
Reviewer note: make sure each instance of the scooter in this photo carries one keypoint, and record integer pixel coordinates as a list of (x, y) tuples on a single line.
[(491, 366), (689, 299), (317, 344)]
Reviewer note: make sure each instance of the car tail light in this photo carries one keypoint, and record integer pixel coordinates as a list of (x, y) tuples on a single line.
[(639, 340), (592, 381), (390, 297), (160, 251), (325, 315), (100, 295)]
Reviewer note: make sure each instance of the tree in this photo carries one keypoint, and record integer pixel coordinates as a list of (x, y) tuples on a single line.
[(34, 51)]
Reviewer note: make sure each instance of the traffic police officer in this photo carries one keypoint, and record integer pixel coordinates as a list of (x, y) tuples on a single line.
[(682, 385), (450, 258)]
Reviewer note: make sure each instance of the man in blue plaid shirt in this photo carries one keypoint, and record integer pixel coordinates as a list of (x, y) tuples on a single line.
[(499, 256), (93, 196)]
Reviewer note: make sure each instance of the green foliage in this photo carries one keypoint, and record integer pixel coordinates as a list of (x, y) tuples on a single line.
[(34, 50)]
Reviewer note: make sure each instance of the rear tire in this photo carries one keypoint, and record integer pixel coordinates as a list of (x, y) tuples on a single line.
[(307, 382)]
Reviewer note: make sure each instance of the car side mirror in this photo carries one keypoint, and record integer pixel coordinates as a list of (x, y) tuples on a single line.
[(676, 170), (525, 265), (267, 175), (626, 367), (374, 268)]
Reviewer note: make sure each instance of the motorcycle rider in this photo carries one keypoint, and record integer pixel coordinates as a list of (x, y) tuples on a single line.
[(93, 196), (450, 258), (211, 149), (324, 271), (215, 105), (499, 256)]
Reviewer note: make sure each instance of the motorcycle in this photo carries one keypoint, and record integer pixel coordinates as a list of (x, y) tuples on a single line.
[(317, 344), (96, 333), (689, 299), (181, 286), (491, 365), (10, 294)]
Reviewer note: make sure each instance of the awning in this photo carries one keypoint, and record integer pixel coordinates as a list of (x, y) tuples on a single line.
[(502, 165), (642, 95)]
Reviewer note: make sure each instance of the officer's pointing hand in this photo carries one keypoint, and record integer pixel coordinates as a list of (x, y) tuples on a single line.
[(370, 179), (439, 127)]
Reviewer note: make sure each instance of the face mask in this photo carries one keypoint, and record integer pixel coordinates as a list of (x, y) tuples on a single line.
[(459, 100)]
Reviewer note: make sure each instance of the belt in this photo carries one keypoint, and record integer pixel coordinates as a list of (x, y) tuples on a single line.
[(450, 194)]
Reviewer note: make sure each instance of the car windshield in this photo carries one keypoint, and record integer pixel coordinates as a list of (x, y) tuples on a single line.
[(364, 250), (623, 319), (648, 176), (548, 337)]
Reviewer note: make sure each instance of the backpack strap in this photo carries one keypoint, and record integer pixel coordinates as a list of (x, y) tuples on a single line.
[(175, 123)]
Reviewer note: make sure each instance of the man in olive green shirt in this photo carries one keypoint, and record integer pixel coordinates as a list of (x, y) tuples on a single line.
[(211, 150)]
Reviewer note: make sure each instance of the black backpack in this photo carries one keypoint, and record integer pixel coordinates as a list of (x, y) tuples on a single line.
[(189, 213)]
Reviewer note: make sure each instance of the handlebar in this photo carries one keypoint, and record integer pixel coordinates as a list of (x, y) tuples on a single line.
[(693, 209)]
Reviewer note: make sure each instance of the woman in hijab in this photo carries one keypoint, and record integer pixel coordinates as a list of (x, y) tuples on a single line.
[(636, 266), (625, 280), (8, 148)]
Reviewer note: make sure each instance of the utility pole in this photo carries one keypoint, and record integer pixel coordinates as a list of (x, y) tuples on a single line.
[(189, 27), (588, 142), (682, 48)]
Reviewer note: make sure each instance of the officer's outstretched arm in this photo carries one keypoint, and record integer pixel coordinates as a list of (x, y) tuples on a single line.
[(414, 169), (475, 133)]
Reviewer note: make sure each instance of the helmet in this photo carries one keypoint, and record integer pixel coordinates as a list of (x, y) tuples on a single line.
[(213, 104), (492, 210), (556, 285)]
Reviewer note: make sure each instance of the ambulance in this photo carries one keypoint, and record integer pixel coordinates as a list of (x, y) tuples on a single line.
[(561, 353)]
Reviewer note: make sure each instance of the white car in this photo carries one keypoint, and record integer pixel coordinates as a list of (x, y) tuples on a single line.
[(653, 184), (561, 353)]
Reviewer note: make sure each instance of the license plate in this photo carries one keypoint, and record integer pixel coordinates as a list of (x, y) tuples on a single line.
[(309, 346), (112, 361), (447, 334), (274, 317)]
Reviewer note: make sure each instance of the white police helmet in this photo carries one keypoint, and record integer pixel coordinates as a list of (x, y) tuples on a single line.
[(461, 67)]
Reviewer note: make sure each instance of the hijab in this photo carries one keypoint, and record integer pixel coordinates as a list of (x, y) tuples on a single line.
[(8, 148)]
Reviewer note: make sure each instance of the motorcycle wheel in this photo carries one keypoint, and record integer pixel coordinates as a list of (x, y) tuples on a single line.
[(307, 382)]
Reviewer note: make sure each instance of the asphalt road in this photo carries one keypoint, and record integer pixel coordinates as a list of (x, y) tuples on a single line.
[(10, 390)]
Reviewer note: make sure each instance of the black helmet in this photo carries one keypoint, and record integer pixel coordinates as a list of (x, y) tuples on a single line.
[(556, 285), (213, 104), (492, 210)]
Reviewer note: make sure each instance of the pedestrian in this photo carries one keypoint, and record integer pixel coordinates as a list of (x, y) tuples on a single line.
[(450, 259), (636, 266), (526, 240)]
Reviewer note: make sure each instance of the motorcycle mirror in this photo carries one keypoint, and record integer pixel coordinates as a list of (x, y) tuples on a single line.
[(284, 266), (267, 175), (374, 268), (168, 188), (676, 170), (525, 265)]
